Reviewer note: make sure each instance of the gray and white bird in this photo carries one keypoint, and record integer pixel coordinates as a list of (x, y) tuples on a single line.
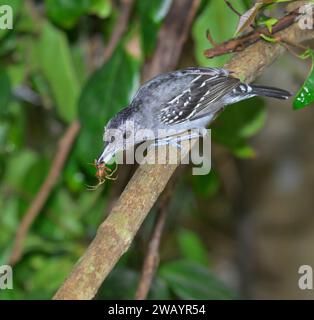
[(181, 100)]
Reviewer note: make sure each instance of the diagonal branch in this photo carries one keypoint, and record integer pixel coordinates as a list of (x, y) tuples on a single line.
[(116, 233)]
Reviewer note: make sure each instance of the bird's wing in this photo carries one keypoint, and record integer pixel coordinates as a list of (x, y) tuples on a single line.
[(199, 96)]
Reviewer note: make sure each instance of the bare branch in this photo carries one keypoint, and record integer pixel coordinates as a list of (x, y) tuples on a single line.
[(240, 43), (121, 26), (171, 38)]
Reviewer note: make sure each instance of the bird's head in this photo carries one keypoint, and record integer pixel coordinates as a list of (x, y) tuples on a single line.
[(118, 135)]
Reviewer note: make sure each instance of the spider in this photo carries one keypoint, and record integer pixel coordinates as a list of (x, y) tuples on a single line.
[(103, 173)]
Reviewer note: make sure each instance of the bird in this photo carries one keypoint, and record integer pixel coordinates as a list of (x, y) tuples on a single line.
[(179, 101)]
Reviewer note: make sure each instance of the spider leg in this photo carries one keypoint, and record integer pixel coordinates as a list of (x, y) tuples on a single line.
[(93, 163), (112, 173), (108, 169), (92, 188), (111, 178)]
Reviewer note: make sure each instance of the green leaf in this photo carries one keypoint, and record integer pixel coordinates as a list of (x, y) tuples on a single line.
[(48, 274), (306, 54), (35, 244), (61, 221), (16, 73), (73, 177), (55, 60), (34, 176), (66, 13), (237, 123), (102, 8), (9, 220), (190, 280), (66, 214), (268, 39), (18, 166), (5, 89), (221, 22), (247, 4), (269, 23), (191, 247), (12, 125), (108, 90), (206, 186), (305, 96), (244, 151)]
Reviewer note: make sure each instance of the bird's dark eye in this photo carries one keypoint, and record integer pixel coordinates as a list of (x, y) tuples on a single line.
[(126, 134), (111, 139)]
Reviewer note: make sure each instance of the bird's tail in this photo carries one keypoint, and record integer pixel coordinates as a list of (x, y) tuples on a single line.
[(270, 92)]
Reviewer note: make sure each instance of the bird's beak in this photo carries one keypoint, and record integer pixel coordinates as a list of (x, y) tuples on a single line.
[(107, 154)]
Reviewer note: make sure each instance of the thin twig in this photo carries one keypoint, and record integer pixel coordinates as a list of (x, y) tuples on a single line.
[(211, 39), (39, 201), (171, 38), (232, 8), (151, 260), (293, 44), (289, 49), (240, 43), (120, 28)]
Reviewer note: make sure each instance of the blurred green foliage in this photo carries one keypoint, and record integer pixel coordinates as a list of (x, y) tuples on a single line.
[(67, 13), (61, 76), (46, 82), (112, 86)]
